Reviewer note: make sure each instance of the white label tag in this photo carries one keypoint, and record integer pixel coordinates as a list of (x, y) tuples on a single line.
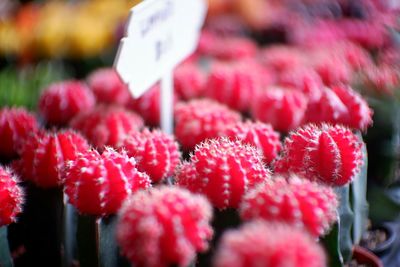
[(159, 35)]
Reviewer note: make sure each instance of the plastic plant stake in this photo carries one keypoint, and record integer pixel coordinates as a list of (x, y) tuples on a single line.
[(156, 42), (167, 98)]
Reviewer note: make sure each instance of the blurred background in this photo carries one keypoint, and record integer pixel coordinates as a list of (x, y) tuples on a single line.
[(44, 41)]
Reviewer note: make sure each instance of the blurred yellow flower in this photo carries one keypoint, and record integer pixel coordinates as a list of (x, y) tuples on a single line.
[(60, 28), (10, 42)]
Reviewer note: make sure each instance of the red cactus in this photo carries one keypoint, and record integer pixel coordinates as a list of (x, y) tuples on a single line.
[(108, 87), (359, 115), (107, 125), (189, 81), (233, 84), (328, 108), (225, 170), (164, 226), (11, 197), (265, 244), (340, 104), (369, 34), (303, 79), (62, 101), (382, 79), (332, 70), (302, 203), (330, 154), (156, 153), (197, 120), (98, 184), (227, 48), (284, 109), (44, 157), (258, 134), (356, 56), (148, 106), (282, 58), (186, 176), (16, 124)]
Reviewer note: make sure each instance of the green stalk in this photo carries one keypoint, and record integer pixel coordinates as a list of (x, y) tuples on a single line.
[(87, 240), (359, 197), (338, 243), (107, 247), (5, 256)]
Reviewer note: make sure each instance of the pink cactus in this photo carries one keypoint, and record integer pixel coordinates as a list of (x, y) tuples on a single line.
[(16, 124), (282, 58), (359, 115), (164, 226), (45, 155), (330, 154), (227, 48), (148, 106), (11, 197), (107, 125), (97, 184), (299, 202), (224, 171), (108, 87), (303, 79), (382, 79), (332, 70), (258, 134), (198, 120), (156, 153), (340, 104), (189, 81), (283, 108), (266, 244), (328, 108), (62, 101), (233, 84)]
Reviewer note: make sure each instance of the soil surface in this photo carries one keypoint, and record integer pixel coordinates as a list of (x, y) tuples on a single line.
[(373, 238)]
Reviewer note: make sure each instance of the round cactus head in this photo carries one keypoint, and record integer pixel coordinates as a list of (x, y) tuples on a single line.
[(267, 244), (11, 197), (189, 81), (330, 154), (97, 184), (258, 134), (299, 202), (223, 170), (16, 125), (283, 108), (107, 125), (108, 87), (164, 226), (233, 84), (62, 101), (198, 120), (156, 153), (45, 155)]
